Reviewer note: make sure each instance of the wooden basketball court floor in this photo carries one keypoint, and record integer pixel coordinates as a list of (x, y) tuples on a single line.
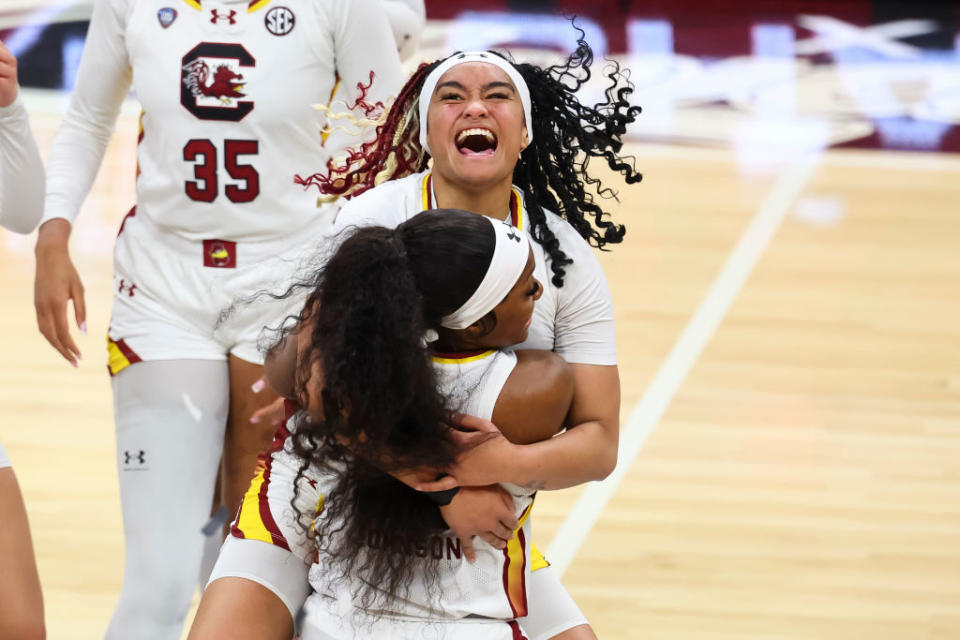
[(790, 361)]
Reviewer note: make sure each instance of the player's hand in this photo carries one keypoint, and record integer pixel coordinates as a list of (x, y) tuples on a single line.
[(481, 511), (57, 282), (8, 76), (485, 454), (425, 479), (273, 412)]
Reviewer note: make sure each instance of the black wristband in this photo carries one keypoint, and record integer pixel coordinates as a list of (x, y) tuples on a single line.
[(442, 498)]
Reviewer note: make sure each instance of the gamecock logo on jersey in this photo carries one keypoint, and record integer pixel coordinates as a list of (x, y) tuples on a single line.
[(212, 81)]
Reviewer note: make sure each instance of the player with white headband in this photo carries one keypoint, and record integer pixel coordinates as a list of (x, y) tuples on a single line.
[(386, 567), (518, 151)]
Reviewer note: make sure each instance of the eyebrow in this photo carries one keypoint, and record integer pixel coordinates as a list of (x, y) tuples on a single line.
[(490, 85)]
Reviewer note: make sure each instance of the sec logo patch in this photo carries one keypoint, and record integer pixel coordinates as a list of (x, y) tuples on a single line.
[(279, 21)]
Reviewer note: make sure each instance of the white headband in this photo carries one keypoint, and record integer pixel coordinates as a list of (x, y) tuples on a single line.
[(510, 255), (430, 84)]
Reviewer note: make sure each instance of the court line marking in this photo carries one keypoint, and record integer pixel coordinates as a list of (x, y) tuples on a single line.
[(684, 354)]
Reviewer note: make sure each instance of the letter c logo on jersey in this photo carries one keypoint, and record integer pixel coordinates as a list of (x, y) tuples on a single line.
[(211, 81)]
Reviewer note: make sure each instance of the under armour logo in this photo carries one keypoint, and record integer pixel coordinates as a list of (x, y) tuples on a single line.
[(139, 457), (513, 236), (478, 55), (129, 288), (216, 17)]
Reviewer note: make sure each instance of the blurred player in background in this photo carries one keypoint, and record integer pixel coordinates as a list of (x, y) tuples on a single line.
[(21, 200), (226, 89)]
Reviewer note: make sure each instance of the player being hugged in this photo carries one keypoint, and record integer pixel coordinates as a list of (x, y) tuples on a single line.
[(402, 327)]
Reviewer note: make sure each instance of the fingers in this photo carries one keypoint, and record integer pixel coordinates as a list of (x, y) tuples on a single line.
[(56, 283), (79, 307), (6, 58), (467, 439), (47, 316), (273, 412), (440, 484), (62, 331), (508, 521), (509, 517), (8, 77), (502, 531), (466, 544), (473, 423), (493, 541)]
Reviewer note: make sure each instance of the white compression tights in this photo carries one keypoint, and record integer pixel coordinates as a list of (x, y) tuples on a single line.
[(170, 417)]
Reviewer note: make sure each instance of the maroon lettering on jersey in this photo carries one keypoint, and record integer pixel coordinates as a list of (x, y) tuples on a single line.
[(220, 254), (212, 82)]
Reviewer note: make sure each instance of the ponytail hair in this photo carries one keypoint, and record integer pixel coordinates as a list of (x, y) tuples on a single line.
[(367, 315)]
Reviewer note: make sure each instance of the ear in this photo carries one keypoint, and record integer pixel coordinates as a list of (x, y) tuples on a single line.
[(524, 138), (476, 332)]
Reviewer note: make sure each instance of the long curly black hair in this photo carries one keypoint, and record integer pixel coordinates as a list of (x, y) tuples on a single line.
[(553, 172), (365, 319)]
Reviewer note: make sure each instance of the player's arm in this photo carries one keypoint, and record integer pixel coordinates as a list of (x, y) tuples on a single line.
[(21, 170), (586, 338), (103, 80), (534, 401), (280, 365), (78, 149), (539, 397), (584, 452), (281, 372)]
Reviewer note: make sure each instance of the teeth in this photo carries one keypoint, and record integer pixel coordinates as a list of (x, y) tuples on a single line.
[(475, 132)]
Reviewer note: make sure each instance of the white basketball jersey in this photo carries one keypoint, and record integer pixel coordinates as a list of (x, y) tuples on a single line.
[(495, 585), (227, 90), (575, 321), (493, 589)]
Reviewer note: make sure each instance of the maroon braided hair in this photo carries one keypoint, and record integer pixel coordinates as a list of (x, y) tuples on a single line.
[(393, 154)]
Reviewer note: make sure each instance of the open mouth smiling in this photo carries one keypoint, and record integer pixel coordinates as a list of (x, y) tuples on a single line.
[(476, 142)]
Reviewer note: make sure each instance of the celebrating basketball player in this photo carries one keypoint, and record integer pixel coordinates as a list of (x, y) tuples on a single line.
[(402, 326)]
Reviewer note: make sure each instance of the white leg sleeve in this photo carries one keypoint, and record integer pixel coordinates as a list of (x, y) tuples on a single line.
[(551, 610), (211, 551), (170, 417)]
